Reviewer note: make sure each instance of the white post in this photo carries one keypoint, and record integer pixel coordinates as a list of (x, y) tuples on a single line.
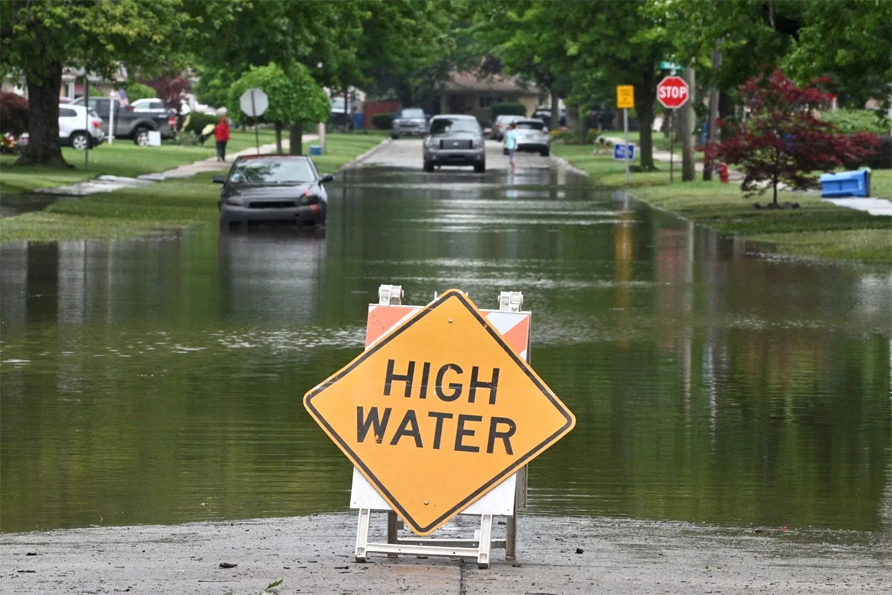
[(111, 119), (626, 129), (321, 133)]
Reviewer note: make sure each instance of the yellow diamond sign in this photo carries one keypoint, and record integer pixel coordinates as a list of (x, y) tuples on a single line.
[(438, 412)]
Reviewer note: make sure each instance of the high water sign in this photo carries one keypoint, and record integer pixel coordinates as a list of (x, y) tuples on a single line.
[(439, 412)]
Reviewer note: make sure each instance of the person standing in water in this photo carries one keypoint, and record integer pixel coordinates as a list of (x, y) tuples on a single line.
[(511, 143)]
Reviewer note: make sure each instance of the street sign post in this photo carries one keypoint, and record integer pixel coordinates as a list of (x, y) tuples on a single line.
[(433, 425), (625, 100), (672, 93), (253, 103)]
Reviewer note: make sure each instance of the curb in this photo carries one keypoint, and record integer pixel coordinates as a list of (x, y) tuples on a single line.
[(359, 159)]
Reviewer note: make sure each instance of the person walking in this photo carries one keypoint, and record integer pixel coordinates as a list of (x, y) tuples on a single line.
[(221, 133), (511, 143)]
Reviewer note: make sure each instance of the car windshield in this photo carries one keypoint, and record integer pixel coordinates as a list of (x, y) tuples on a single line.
[(445, 125), (273, 171), (412, 113), (530, 125)]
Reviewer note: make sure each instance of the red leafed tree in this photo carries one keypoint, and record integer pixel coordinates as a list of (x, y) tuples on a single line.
[(782, 138), (171, 90)]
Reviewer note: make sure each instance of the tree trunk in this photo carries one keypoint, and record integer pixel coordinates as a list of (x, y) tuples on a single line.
[(645, 109), (726, 110), (43, 117), (686, 125), (555, 112), (296, 134), (713, 106), (278, 138)]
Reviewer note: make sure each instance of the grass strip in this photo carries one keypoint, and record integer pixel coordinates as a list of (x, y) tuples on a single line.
[(152, 208), (817, 229)]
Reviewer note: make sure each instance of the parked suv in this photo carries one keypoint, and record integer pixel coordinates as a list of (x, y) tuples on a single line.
[(78, 127), (409, 121), (129, 123), (454, 140)]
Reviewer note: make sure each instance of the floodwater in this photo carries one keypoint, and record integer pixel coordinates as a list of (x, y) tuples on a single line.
[(159, 380)]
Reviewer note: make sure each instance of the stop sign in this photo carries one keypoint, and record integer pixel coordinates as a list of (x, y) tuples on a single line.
[(672, 92)]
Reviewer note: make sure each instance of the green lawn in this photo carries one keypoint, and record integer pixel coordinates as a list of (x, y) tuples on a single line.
[(160, 206), (816, 229)]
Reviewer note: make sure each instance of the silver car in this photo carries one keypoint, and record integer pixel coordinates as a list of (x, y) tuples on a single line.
[(409, 121), (532, 136), (454, 140)]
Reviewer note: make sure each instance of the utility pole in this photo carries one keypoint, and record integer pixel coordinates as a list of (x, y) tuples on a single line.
[(713, 106), (686, 123)]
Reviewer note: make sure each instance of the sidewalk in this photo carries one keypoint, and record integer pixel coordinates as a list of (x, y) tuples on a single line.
[(188, 170)]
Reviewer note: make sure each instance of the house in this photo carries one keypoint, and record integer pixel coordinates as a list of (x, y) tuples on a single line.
[(468, 93)]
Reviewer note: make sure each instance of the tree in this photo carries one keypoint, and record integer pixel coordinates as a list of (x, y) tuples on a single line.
[(294, 99), (783, 140), (171, 90), (38, 39)]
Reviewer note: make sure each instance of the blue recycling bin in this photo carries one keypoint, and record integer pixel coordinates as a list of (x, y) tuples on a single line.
[(315, 150), (847, 183), (358, 120)]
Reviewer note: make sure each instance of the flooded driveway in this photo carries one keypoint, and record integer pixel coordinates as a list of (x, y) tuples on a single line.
[(159, 380)]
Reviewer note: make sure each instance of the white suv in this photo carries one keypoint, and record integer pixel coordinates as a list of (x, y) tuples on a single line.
[(78, 127)]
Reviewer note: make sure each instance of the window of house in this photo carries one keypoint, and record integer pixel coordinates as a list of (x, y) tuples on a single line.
[(489, 100)]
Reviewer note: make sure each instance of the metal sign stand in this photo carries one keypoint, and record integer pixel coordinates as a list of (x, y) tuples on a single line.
[(504, 500)]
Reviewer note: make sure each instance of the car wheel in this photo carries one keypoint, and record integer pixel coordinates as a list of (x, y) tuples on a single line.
[(428, 166), (544, 152), (395, 136), (141, 137), (79, 141), (480, 167)]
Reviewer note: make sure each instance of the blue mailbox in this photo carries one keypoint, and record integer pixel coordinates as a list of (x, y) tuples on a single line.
[(847, 183), (315, 150)]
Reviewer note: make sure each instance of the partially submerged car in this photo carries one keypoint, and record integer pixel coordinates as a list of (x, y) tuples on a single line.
[(409, 121), (454, 140), (532, 136), (273, 189)]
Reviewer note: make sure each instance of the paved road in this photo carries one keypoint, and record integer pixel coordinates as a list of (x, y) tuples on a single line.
[(408, 153), (314, 554)]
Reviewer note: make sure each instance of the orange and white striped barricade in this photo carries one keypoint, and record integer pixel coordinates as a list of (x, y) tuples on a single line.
[(506, 499)]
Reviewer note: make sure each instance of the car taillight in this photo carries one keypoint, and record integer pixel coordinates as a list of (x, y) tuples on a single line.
[(96, 124), (172, 121)]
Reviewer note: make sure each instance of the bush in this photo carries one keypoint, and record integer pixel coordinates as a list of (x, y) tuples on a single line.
[(382, 121), (137, 91), (571, 137), (13, 114), (508, 109), (850, 121), (196, 121), (881, 159)]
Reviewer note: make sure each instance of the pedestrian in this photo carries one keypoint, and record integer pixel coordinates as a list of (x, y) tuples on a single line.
[(221, 133), (511, 143)]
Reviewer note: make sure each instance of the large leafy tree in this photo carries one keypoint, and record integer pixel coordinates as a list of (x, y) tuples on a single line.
[(294, 99), (783, 140), (39, 38)]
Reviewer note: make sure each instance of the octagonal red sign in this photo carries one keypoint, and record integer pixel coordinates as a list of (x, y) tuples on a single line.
[(672, 92)]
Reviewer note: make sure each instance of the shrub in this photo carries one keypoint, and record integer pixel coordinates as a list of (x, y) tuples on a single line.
[(382, 121), (196, 121), (850, 121), (137, 91), (571, 137), (508, 109), (13, 114)]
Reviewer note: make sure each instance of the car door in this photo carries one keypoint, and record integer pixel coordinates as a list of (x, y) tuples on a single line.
[(67, 120)]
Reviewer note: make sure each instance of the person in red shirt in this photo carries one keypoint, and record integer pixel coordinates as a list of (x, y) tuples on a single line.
[(221, 133)]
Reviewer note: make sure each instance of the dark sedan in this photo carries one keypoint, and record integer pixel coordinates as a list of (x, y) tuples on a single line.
[(273, 189)]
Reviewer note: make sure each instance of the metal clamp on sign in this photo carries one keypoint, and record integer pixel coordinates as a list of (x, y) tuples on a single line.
[(390, 295), (510, 301)]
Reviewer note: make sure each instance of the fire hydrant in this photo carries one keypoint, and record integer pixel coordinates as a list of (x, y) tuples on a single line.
[(723, 172)]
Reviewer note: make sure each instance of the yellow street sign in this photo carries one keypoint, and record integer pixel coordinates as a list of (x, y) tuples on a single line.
[(625, 97), (438, 412)]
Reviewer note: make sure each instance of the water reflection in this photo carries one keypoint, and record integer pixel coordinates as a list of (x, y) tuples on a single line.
[(160, 379)]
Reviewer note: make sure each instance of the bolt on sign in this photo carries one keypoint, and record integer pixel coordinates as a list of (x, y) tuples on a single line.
[(438, 412), (625, 97)]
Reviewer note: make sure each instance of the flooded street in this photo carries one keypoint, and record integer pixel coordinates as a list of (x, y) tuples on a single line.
[(159, 380)]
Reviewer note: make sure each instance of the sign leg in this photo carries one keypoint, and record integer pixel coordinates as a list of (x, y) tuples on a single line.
[(362, 534), (391, 530), (485, 541)]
